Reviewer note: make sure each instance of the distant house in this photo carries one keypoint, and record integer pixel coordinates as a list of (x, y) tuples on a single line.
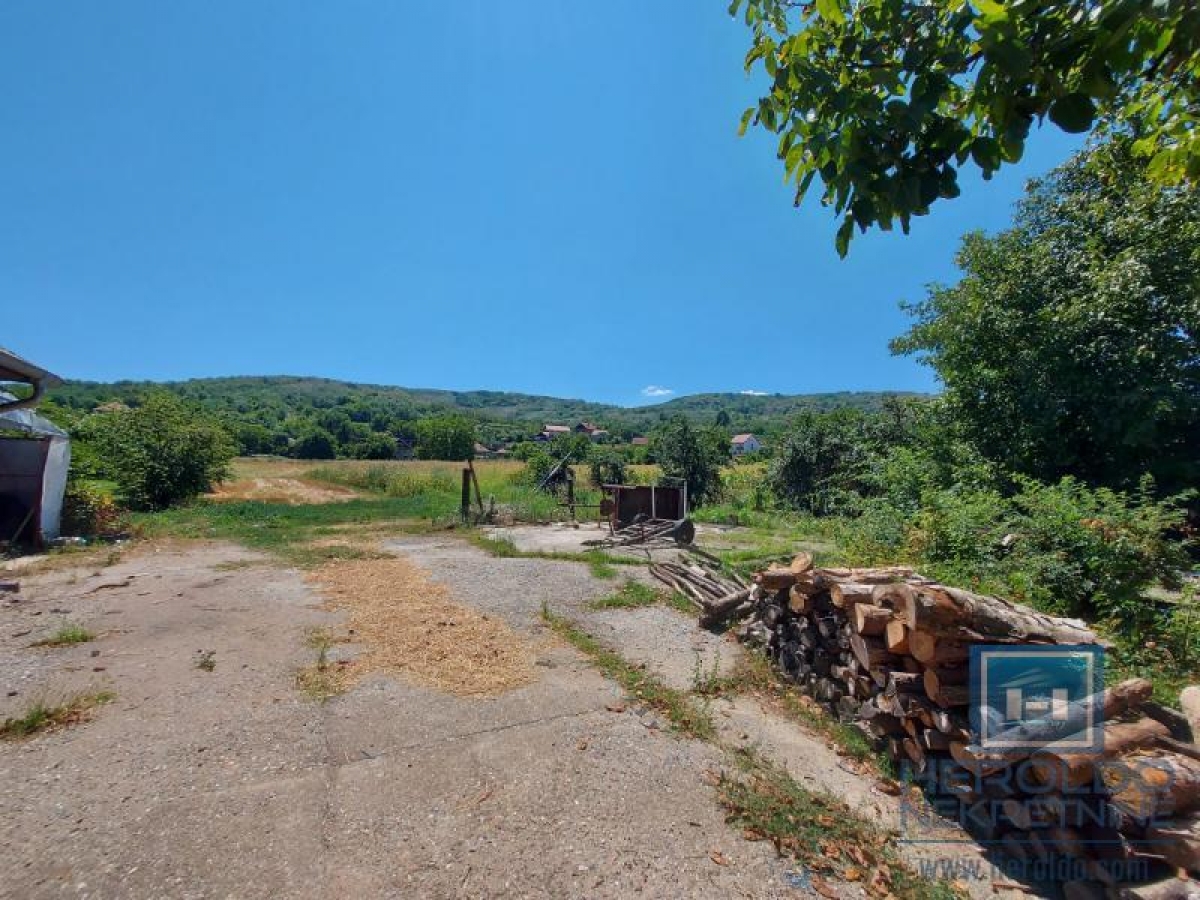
[(593, 431), (550, 432), (743, 444), (483, 452), (640, 442)]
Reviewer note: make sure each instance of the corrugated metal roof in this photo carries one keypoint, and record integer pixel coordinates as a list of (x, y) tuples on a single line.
[(13, 368)]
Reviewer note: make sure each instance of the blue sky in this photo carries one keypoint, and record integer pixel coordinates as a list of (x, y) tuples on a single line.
[(543, 197)]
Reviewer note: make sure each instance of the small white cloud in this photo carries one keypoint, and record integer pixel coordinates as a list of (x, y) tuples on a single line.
[(750, 393), (654, 390)]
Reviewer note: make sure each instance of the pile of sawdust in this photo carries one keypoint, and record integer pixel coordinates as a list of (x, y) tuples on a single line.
[(409, 625)]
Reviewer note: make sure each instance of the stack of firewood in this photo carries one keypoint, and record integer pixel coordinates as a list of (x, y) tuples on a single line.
[(888, 649)]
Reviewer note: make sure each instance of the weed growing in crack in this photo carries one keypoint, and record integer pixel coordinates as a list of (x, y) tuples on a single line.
[(818, 830), (70, 633), (40, 716), (706, 678), (321, 680), (679, 708)]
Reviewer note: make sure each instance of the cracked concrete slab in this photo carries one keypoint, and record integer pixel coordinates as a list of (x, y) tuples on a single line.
[(233, 783)]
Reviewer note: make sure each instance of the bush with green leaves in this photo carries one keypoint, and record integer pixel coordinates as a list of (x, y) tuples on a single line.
[(692, 454), (314, 443), (822, 464), (161, 453), (607, 467), (373, 445), (1070, 344), (88, 511), (1093, 552), (446, 437), (1065, 548)]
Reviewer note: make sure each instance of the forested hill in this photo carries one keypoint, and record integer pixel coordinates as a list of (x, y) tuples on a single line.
[(272, 401)]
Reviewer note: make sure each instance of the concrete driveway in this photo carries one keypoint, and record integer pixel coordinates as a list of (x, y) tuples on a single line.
[(233, 783)]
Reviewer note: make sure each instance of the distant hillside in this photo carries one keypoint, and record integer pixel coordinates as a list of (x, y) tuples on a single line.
[(269, 413)]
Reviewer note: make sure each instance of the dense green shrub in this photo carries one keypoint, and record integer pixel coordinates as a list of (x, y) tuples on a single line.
[(1070, 344), (538, 464), (823, 462), (88, 511), (315, 443), (446, 437), (374, 445), (1064, 547), (693, 455), (607, 468), (1093, 552), (161, 453)]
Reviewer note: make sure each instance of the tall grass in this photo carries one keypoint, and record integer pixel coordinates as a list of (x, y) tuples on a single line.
[(437, 486)]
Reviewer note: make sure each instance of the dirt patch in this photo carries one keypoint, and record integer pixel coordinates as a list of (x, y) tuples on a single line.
[(293, 491), (410, 625)]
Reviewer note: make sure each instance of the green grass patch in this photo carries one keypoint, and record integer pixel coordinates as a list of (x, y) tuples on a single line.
[(288, 531), (630, 595), (818, 830), (71, 633), (40, 716), (684, 714), (437, 487), (601, 568)]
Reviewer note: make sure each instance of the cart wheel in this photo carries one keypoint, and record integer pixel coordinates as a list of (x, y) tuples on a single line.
[(685, 532)]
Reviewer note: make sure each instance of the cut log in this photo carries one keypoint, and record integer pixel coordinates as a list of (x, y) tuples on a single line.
[(978, 763), (869, 620), (1074, 769), (801, 563), (1112, 702), (893, 595), (775, 579), (916, 753), (799, 602), (932, 739), (945, 694), (848, 594), (1189, 702), (933, 651), (951, 612), (869, 651), (902, 682), (1146, 786), (950, 674), (882, 575), (895, 637), (723, 609)]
